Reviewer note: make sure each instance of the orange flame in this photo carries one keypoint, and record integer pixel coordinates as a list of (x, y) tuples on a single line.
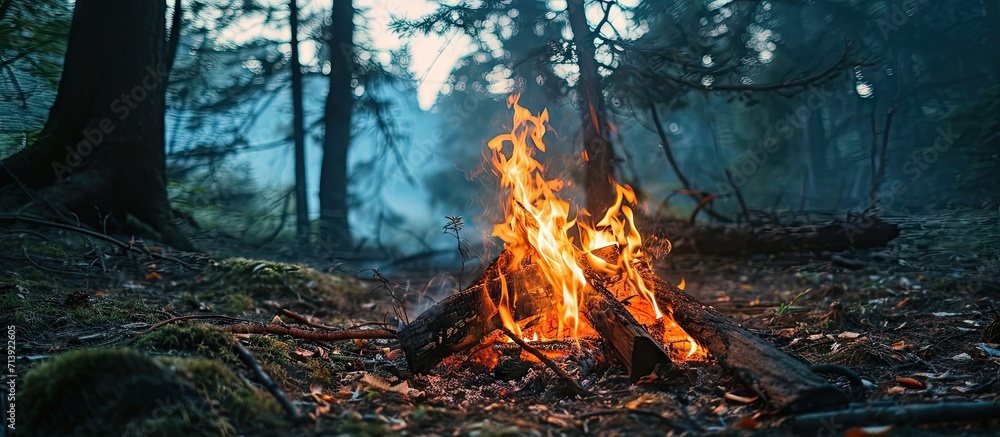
[(537, 223)]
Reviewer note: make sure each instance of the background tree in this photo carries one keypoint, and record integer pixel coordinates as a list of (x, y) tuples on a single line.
[(101, 152), (333, 199), (298, 130)]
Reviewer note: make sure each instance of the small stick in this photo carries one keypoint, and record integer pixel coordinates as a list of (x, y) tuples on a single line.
[(38, 220), (548, 362), (274, 328), (247, 358), (190, 317), (307, 320)]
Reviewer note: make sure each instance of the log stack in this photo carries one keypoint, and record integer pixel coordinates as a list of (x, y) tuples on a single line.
[(464, 320)]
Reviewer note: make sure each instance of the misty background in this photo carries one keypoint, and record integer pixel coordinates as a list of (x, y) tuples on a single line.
[(795, 107)]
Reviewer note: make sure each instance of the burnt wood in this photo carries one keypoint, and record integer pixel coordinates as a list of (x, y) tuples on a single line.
[(785, 382), (628, 341), (463, 320), (832, 236)]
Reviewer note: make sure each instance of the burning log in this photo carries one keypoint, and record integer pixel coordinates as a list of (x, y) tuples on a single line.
[(464, 320), (546, 274), (629, 341), (785, 382)]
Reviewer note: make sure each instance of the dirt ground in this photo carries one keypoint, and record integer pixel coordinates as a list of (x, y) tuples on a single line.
[(915, 320)]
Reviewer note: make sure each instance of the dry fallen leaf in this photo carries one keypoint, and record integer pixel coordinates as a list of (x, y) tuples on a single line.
[(748, 422), (153, 276), (910, 382), (380, 383), (896, 390), (899, 345), (648, 379), (848, 335)]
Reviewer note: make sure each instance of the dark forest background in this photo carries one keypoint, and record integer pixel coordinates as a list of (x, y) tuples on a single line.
[(756, 110)]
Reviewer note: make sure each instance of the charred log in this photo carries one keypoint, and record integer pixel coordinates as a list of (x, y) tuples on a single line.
[(786, 383), (463, 320), (628, 341), (831, 236)]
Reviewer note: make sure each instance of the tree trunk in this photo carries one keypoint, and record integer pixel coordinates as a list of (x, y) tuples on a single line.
[(600, 156), (101, 152), (299, 133), (334, 228)]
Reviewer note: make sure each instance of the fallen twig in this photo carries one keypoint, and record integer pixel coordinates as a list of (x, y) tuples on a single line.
[(38, 220), (305, 320), (893, 414), (247, 358), (192, 317), (577, 388), (308, 321), (275, 328)]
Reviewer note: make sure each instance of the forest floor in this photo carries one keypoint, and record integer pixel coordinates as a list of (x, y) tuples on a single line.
[(916, 320)]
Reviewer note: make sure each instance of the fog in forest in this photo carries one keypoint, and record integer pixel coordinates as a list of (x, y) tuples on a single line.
[(744, 112)]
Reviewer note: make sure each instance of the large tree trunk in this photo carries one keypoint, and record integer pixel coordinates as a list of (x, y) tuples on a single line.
[(599, 168), (334, 228), (299, 132), (100, 152)]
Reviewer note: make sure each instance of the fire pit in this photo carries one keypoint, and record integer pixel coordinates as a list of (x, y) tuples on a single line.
[(566, 278)]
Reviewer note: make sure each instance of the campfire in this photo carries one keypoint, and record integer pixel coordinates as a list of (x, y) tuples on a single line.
[(566, 277)]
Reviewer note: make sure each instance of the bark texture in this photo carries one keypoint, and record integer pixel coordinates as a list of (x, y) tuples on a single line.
[(101, 151)]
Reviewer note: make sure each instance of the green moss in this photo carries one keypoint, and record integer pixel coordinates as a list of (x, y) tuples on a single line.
[(188, 298), (191, 339), (109, 310), (273, 356), (319, 371), (363, 428), (267, 279), (113, 392), (242, 403), (237, 303)]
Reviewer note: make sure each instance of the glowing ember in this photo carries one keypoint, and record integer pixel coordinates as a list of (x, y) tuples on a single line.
[(537, 225)]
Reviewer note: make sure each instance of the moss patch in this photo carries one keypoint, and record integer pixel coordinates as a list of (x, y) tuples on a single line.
[(240, 402), (113, 392), (38, 307), (273, 355), (197, 339), (258, 279)]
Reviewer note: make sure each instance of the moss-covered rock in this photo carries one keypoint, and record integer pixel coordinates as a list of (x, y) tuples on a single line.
[(113, 392)]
